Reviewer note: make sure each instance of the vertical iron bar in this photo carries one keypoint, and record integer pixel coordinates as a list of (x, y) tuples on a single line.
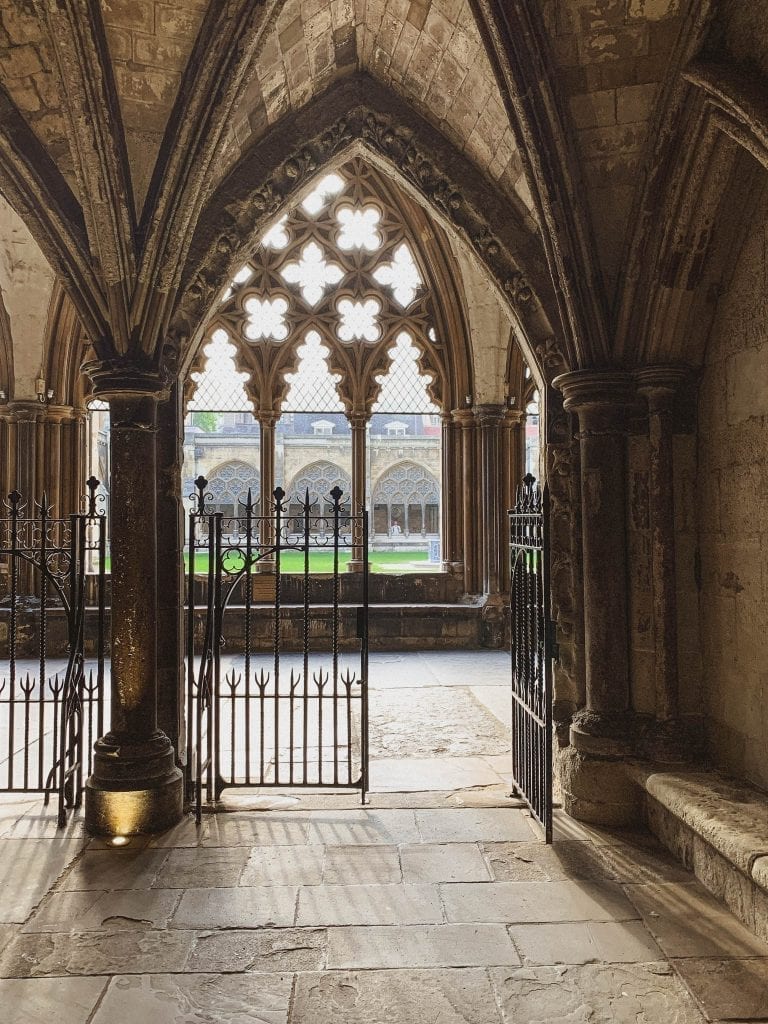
[(214, 770), (279, 494), (335, 632), (247, 640), (12, 627), (364, 666), (305, 642), (193, 740)]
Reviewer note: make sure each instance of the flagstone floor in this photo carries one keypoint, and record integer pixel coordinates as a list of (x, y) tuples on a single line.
[(428, 906)]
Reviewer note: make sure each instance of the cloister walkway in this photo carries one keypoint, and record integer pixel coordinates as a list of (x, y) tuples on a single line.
[(430, 904)]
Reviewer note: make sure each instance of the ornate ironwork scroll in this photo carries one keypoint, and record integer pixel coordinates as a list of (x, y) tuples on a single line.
[(52, 593), (285, 711), (532, 651)]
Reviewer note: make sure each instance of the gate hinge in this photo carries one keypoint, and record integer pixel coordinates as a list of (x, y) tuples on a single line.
[(554, 646)]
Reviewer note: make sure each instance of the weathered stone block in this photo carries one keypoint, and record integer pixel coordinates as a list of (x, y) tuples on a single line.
[(595, 109), (129, 14), (635, 102)]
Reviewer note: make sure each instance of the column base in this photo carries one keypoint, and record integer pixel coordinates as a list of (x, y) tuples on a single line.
[(135, 787), (597, 790), (356, 565)]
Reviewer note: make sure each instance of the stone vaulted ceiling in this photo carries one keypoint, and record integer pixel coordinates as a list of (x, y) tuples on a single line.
[(121, 119), (429, 51)]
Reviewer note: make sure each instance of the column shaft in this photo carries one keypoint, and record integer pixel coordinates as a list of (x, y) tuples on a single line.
[(659, 385), (135, 786), (358, 423)]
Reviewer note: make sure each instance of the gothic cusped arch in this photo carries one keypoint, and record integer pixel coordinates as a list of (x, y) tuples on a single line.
[(319, 478), (230, 482), (359, 116)]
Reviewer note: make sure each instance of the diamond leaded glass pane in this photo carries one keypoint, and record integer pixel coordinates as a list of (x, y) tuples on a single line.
[(313, 387), (220, 386), (403, 387)]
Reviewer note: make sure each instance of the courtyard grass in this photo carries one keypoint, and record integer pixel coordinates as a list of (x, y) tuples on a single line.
[(322, 562)]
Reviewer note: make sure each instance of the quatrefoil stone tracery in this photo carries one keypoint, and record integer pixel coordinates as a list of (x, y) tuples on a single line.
[(312, 273)]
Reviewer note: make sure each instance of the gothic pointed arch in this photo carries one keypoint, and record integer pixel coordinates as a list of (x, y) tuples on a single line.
[(359, 116), (346, 278)]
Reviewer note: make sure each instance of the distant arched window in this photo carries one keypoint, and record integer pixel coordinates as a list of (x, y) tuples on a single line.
[(228, 486), (319, 479), (406, 501)]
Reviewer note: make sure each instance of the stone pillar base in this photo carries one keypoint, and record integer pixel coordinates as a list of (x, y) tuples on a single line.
[(135, 788), (355, 565), (598, 790)]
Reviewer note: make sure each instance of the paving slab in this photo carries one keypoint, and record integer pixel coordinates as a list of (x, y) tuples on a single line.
[(130, 909), (61, 911), (412, 774), (460, 996), (257, 829), (433, 722), (687, 922), (346, 828), (420, 946), (91, 953), (202, 867), (537, 862), (65, 1000), (269, 950), (283, 865), (28, 869), (115, 869), (447, 862), (473, 824), (196, 999), (594, 994), (528, 902), (241, 907), (361, 865), (368, 904), (583, 942), (728, 988)]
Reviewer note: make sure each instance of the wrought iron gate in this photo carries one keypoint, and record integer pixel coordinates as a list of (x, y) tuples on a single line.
[(51, 708), (532, 651), (290, 708)]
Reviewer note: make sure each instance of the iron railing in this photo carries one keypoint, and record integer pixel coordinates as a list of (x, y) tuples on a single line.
[(51, 709), (531, 651), (273, 714)]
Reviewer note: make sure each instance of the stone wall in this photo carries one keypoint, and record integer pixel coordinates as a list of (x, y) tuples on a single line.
[(732, 486)]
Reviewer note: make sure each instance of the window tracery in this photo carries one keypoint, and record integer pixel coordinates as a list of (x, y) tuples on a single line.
[(229, 485), (341, 263)]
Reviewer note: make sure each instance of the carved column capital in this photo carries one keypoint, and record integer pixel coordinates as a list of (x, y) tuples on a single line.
[(660, 384), (489, 414), (24, 412), (267, 417), (464, 417), (123, 378), (600, 398)]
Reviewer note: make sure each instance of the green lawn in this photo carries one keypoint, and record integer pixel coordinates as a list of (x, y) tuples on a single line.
[(322, 561)]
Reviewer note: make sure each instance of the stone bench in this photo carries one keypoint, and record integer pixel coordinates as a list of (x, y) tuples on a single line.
[(718, 828)]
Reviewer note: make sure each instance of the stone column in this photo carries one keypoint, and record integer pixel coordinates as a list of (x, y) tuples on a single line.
[(25, 451), (267, 421), (470, 510), (448, 490), (594, 787), (170, 568), (491, 495), (659, 384), (136, 786), (513, 471), (358, 422)]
